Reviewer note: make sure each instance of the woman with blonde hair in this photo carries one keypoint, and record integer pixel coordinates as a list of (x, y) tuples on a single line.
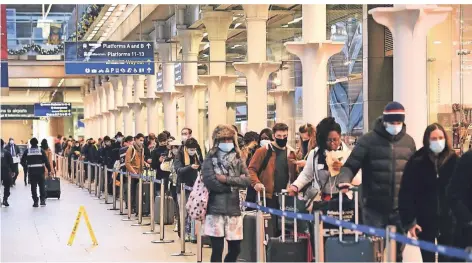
[(224, 173), (306, 143)]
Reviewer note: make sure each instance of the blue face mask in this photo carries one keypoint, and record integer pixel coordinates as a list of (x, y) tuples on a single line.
[(393, 129), (226, 146), (437, 146), (263, 143)]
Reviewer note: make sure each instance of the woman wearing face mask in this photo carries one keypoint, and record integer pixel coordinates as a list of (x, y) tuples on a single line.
[(173, 147), (158, 156), (224, 174), (250, 146), (422, 203), (306, 144), (265, 137), (187, 166)]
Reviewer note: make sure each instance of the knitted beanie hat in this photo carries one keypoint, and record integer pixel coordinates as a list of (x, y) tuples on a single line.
[(394, 112)]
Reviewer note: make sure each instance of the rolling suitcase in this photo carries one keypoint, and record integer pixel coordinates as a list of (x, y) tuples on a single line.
[(287, 249), (168, 210), (53, 187), (248, 252), (354, 248), (145, 199)]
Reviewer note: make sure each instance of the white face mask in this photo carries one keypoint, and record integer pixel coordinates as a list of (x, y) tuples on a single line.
[(12, 141), (264, 143), (437, 146), (393, 129), (184, 138), (175, 151), (192, 152)]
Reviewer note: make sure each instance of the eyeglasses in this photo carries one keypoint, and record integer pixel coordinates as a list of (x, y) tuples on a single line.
[(331, 140)]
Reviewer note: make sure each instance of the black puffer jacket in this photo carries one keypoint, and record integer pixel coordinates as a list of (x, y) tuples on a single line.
[(382, 158), (224, 197), (422, 198)]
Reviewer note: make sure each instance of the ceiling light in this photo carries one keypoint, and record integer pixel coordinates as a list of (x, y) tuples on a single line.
[(108, 13), (295, 20), (437, 42), (114, 5), (111, 8), (207, 45), (205, 34), (205, 55), (60, 83), (234, 18), (237, 24), (235, 46), (285, 25)]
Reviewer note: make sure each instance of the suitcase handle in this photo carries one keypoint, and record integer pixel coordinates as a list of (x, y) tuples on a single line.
[(284, 193), (263, 202), (356, 209)]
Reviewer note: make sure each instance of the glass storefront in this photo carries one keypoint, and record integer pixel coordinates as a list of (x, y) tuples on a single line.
[(449, 74)]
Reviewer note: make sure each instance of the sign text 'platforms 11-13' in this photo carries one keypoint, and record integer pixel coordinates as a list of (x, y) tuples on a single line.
[(109, 58)]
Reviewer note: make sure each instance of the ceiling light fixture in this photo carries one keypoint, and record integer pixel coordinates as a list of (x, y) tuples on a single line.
[(236, 25), (60, 83), (111, 8), (437, 42), (295, 20), (207, 45), (205, 34)]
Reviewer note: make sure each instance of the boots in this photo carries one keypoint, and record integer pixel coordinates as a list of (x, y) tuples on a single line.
[(43, 202), (5, 202), (35, 204)]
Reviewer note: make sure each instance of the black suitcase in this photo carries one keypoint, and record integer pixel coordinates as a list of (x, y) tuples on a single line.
[(354, 248), (53, 187), (287, 249), (146, 198), (249, 243)]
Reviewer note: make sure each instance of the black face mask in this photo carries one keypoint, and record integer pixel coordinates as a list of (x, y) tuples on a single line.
[(281, 142)]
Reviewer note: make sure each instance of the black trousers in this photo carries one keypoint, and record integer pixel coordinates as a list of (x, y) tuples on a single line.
[(38, 180), (444, 238), (134, 185), (274, 203), (7, 181), (376, 219), (217, 246), (15, 173)]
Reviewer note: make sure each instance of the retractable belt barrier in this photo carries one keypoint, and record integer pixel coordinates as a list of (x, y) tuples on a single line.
[(389, 234)]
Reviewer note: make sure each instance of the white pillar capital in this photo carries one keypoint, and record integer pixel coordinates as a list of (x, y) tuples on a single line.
[(409, 25), (167, 51), (256, 12), (217, 24), (190, 41)]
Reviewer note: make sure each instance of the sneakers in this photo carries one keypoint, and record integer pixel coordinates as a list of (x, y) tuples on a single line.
[(35, 204), (5, 203), (43, 203)]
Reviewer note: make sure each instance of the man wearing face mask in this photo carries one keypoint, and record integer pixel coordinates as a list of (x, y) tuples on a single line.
[(382, 155), (278, 159), (108, 161), (14, 150), (90, 154), (159, 154), (135, 164)]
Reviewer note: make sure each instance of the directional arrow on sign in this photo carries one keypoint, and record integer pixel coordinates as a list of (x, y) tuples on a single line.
[(148, 45), (149, 70)]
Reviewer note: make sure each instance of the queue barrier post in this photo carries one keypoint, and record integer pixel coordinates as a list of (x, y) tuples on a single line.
[(140, 202), (318, 238), (82, 169), (260, 249), (75, 170), (114, 190), (161, 218), (89, 176), (104, 182), (98, 178), (121, 194), (151, 209), (198, 229), (391, 244), (128, 181), (182, 224)]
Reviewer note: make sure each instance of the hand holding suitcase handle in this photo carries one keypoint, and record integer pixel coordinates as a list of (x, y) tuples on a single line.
[(284, 193), (343, 188)]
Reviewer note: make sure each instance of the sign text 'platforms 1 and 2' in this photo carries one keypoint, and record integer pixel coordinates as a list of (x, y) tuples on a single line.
[(109, 58)]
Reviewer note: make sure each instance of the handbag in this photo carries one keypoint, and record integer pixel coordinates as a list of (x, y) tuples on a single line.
[(166, 166), (198, 200)]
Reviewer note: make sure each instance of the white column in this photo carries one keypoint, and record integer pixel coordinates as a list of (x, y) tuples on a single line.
[(111, 128), (118, 94), (137, 106), (314, 52), (217, 25), (190, 40), (151, 103), (257, 69), (128, 128), (167, 54), (409, 25), (284, 96)]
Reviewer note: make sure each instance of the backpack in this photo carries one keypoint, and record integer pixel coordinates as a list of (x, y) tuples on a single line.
[(251, 192)]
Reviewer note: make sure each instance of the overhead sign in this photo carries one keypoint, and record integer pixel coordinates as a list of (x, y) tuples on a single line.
[(113, 58), (3, 51), (52, 109), (17, 112)]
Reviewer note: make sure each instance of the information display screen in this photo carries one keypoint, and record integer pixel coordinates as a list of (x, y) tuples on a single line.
[(17, 112), (52, 109)]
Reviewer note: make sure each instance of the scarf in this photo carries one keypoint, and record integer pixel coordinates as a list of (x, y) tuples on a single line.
[(187, 157), (138, 147), (223, 163)]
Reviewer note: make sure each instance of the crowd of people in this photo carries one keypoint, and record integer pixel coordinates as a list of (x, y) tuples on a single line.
[(426, 193)]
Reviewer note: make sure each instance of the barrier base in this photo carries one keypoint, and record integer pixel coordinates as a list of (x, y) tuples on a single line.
[(126, 219), (162, 241), (183, 254), (138, 224), (113, 209), (150, 233), (120, 214)]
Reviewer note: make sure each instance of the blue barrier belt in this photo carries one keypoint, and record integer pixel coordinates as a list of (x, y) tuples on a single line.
[(445, 250), (188, 188)]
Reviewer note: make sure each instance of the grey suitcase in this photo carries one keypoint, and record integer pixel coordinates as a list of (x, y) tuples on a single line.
[(354, 248), (168, 210)]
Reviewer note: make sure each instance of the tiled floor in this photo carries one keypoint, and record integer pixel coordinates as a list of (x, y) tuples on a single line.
[(40, 234)]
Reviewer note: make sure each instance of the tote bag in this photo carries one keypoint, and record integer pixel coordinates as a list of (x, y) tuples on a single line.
[(198, 200)]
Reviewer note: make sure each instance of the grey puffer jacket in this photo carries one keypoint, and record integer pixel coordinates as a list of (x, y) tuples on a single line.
[(382, 158), (224, 197)]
